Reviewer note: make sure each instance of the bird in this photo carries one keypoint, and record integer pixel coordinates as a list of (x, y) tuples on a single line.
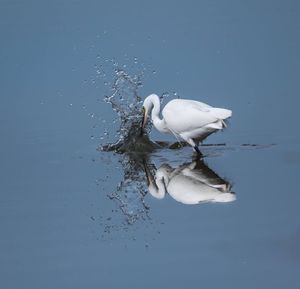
[(189, 184), (188, 120)]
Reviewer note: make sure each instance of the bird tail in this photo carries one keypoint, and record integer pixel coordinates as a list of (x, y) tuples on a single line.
[(221, 113), (225, 197)]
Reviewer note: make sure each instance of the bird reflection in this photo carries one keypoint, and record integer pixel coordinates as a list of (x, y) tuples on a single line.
[(189, 183)]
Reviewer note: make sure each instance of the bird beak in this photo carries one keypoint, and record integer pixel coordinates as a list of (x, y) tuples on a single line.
[(147, 172), (144, 121)]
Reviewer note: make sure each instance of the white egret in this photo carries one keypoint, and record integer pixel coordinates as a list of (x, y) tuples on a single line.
[(189, 184), (189, 120)]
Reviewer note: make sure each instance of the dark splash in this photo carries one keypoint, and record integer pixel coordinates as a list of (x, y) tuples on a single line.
[(131, 191), (129, 195), (132, 143), (126, 102)]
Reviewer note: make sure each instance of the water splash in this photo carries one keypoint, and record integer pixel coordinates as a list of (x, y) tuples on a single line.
[(128, 216), (131, 191), (124, 99), (126, 102)]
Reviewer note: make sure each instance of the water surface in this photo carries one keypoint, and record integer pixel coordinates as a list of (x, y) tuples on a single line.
[(75, 216)]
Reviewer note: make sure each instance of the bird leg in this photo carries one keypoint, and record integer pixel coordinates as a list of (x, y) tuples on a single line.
[(200, 155)]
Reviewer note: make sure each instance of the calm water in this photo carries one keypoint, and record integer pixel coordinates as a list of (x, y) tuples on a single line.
[(73, 216)]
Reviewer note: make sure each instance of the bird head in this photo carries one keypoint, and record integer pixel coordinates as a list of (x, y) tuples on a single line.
[(147, 106), (151, 101)]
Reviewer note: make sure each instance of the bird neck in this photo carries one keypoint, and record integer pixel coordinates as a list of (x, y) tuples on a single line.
[(161, 187), (158, 189), (154, 103), (159, 123)]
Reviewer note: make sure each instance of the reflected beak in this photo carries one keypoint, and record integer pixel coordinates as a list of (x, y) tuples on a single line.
[(147, 173), (144, 121)]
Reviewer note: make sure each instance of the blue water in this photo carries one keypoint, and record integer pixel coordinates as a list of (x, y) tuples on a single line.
[(73, 216)]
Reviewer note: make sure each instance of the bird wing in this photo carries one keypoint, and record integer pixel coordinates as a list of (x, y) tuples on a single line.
[(183, 115)]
